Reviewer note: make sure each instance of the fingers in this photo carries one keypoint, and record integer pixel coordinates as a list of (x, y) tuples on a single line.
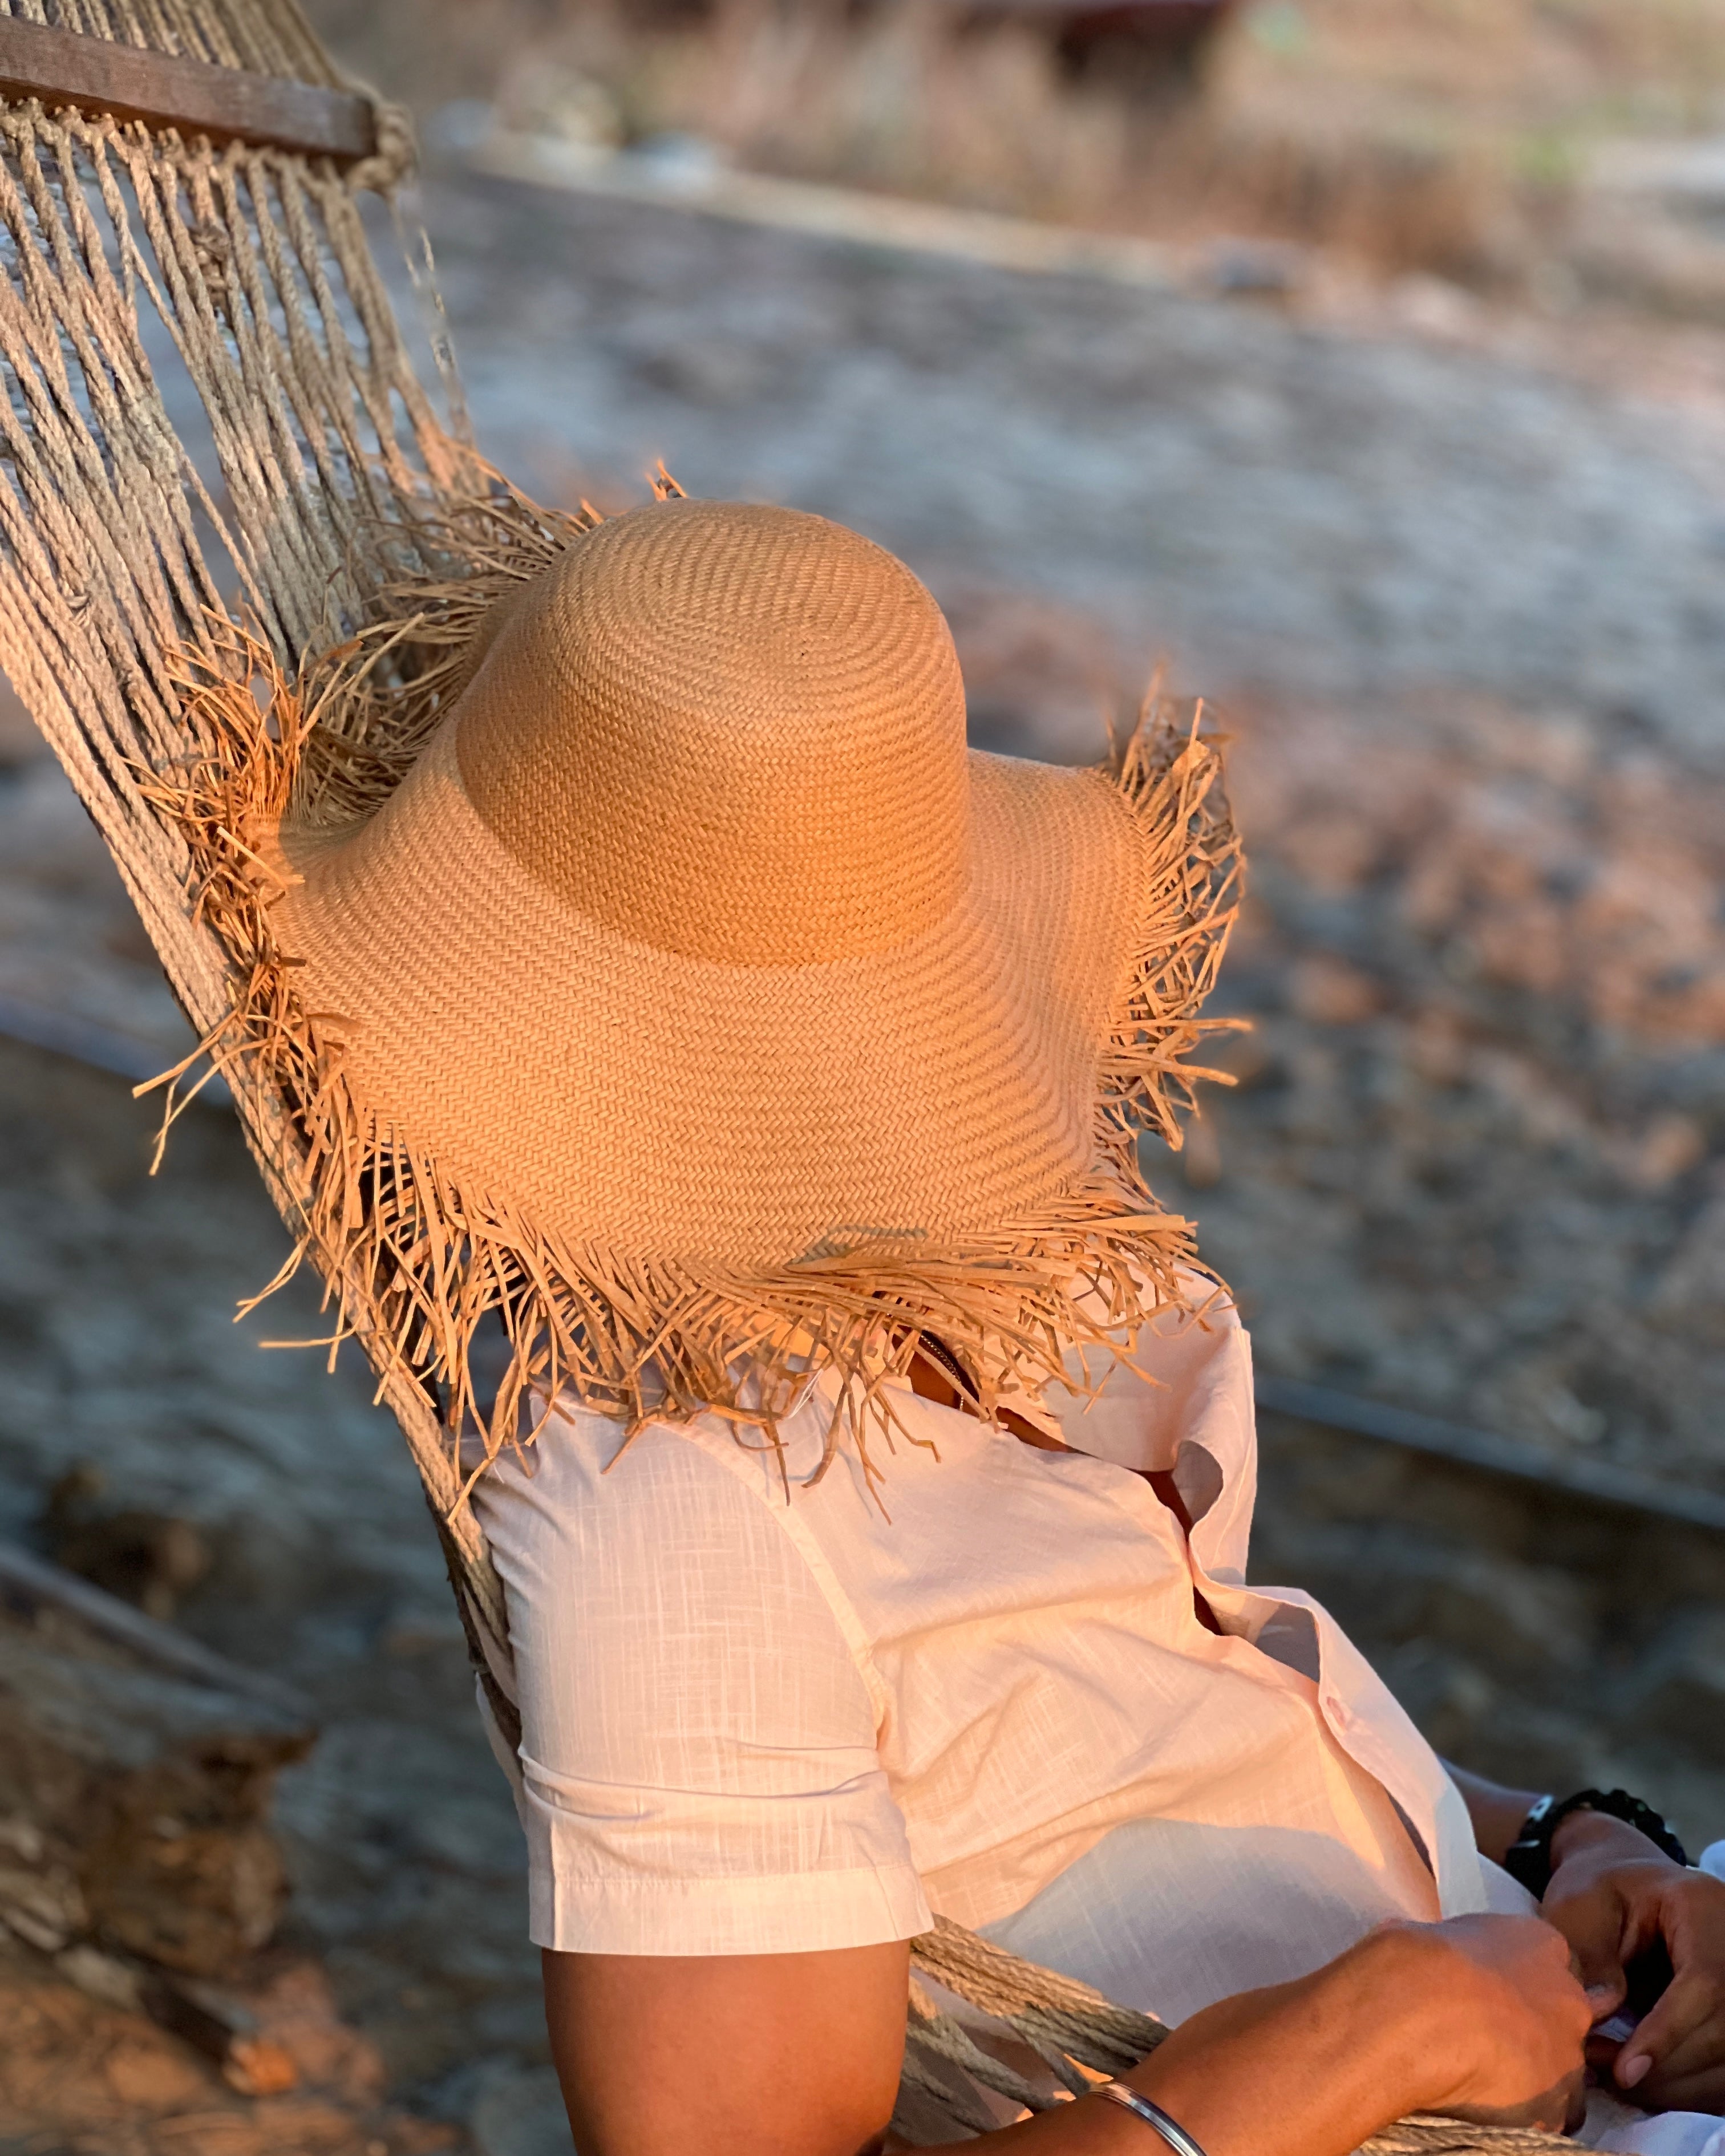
[(1520, 2019), (1684, 2033), (1683, 2036)]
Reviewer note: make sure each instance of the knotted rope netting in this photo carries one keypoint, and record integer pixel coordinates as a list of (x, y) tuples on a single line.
[(297, 476)]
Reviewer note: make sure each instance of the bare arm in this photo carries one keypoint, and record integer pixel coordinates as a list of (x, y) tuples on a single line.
[(799, 2054), (733, 2055), (1498, 1813)]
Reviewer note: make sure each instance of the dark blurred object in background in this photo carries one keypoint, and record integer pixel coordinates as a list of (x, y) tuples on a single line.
[(1143, 46), (1129, 41), (151, 1559)]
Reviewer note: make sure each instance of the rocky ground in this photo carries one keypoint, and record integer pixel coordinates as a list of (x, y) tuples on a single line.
[(1475, 1161), (116, 1309), (1460, 608)]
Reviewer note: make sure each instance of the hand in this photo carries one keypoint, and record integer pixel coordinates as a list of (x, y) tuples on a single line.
[(1613, 1896), (1504, 2023), (1479, 2018)]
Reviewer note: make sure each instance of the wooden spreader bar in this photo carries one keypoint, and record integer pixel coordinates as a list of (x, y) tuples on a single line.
[(227, 103)]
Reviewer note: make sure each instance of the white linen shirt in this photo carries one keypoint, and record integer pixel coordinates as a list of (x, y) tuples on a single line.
[(763, 1712)]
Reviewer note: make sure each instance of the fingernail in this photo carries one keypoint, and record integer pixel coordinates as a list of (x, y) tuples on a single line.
[(1632, 2074)]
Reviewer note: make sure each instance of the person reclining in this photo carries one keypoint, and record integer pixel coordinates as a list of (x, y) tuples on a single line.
[(875, 1526)]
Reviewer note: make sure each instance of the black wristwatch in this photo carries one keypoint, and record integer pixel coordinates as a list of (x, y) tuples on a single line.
[(1528, 1856)]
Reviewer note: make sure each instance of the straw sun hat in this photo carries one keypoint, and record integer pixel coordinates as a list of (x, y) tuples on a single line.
[(681, 988)]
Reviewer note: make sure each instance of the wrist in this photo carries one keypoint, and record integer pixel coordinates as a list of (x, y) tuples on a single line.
[(1533, 1856), (1342, 2064), (1590, 1833), (1399, 1999), (1430, 2029)]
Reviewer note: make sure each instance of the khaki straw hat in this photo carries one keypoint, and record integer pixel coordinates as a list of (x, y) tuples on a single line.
[(712, 1011)]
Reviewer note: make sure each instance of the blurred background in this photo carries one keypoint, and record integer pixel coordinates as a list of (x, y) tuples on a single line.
[(1364, 363)]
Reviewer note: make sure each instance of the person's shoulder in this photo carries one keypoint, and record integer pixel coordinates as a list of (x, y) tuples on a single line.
[(587, 1473), (595, 1519), (646, 1568)]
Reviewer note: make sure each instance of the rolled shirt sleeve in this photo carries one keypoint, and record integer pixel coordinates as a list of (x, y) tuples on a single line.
[(699, 1766)]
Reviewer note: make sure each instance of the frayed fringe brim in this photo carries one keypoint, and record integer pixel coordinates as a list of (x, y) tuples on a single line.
[(416, 1263)]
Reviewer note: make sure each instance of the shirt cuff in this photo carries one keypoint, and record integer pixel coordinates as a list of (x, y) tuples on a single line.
[(799, 1913)]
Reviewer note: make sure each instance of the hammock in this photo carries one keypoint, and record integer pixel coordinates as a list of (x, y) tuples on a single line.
[(210, 417)]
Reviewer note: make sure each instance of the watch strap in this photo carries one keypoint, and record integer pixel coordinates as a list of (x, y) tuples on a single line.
[(1528, 1857)]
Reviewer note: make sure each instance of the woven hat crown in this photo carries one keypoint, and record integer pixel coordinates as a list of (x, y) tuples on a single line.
[(731, 733)]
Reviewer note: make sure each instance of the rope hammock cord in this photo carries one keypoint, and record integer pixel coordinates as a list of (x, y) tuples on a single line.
[(210, 416)]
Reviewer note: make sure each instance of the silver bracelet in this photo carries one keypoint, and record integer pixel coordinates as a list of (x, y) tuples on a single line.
[(1152, 2114)]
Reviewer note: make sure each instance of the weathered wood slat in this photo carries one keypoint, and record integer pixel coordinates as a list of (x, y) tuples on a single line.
[(226, 104)]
